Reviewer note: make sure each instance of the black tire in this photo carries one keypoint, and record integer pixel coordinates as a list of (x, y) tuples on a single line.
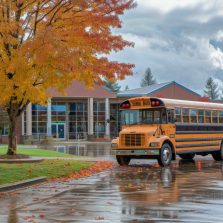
[(218, 155), (188, 156), (123, 160), (166, 155)]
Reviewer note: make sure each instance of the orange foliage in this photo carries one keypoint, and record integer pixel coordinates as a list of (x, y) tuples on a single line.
[(49, 43)]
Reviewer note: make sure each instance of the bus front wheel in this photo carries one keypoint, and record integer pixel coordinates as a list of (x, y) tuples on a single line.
[(123, 160), (165, 156), (218, 155)]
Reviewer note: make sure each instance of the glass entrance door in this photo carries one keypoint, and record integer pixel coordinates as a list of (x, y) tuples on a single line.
[(58, 131), (61, 131)]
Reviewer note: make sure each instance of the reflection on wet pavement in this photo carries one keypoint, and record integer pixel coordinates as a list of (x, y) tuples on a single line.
[(83, 149), (142, 192)]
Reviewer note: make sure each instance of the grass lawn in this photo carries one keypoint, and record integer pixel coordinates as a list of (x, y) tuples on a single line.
[(38, 152), (10, 173)]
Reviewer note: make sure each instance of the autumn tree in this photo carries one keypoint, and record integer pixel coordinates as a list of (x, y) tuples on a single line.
[(49, 43), (112, 85), (148, 78), (211, 90)]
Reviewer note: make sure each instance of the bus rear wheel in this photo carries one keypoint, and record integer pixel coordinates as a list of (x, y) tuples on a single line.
[(123, 160), (188, 156), (218, 155), (165, 156)]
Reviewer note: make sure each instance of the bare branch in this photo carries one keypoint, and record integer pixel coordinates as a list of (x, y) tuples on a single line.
[(51, 10), (56, 12), (29, 4), (36, 18)]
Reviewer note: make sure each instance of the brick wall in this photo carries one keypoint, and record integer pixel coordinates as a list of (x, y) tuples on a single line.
[(175, 91)]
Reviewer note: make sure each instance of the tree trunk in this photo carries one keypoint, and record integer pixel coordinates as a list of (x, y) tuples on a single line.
[(12, 146)]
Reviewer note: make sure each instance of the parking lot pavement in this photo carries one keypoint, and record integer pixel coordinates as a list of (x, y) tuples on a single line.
[(142, 192)]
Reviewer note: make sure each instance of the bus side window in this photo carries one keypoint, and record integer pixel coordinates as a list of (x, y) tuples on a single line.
[(193, 115), (164, 116), (200, 116), (214, 116), (207, 116), (220, 116), (157, 117), (186, 115), (170, 116), (178, 114)]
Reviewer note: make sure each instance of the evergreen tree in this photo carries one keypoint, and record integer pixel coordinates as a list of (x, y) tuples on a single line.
[(211, 90), (113, 86), (148, 78), (126, 88)]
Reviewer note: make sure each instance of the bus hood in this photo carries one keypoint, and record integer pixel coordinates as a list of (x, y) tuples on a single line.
[(140, 130)]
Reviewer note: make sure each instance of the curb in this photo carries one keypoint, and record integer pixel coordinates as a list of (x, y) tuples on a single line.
[(22, 184)]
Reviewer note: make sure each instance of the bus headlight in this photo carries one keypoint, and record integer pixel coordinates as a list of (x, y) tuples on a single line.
[(154, 144), (114, 145)]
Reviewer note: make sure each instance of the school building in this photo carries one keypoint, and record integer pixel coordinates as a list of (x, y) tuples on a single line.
[(83, 114)]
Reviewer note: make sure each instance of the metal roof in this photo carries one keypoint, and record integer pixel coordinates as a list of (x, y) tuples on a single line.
[(78, 89), (148, 90), (143, 91)]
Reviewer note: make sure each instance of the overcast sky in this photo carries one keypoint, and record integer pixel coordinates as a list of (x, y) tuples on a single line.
[(179, 40)]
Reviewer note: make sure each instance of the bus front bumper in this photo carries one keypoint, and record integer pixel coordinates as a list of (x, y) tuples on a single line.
[(136, 152)]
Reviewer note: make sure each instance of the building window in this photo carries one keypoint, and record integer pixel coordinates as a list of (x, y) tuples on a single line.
[(78, 120), (5, 130), (58, 111), (99, 119), (39, 120)]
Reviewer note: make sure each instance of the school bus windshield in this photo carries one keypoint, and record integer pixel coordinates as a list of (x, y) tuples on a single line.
[(143, 116)]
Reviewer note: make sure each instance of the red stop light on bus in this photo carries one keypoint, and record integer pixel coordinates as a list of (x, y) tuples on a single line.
[(155, 102), (125, 105)]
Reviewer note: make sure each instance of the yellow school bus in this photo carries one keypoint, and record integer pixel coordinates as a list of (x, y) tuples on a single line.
[(158, 128)]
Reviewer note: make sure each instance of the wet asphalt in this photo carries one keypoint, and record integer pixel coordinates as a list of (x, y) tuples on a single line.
[(142, 192)]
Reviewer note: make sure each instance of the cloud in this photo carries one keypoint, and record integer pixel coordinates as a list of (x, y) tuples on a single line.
[(168, 5), (178, 40), (217, 58)]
